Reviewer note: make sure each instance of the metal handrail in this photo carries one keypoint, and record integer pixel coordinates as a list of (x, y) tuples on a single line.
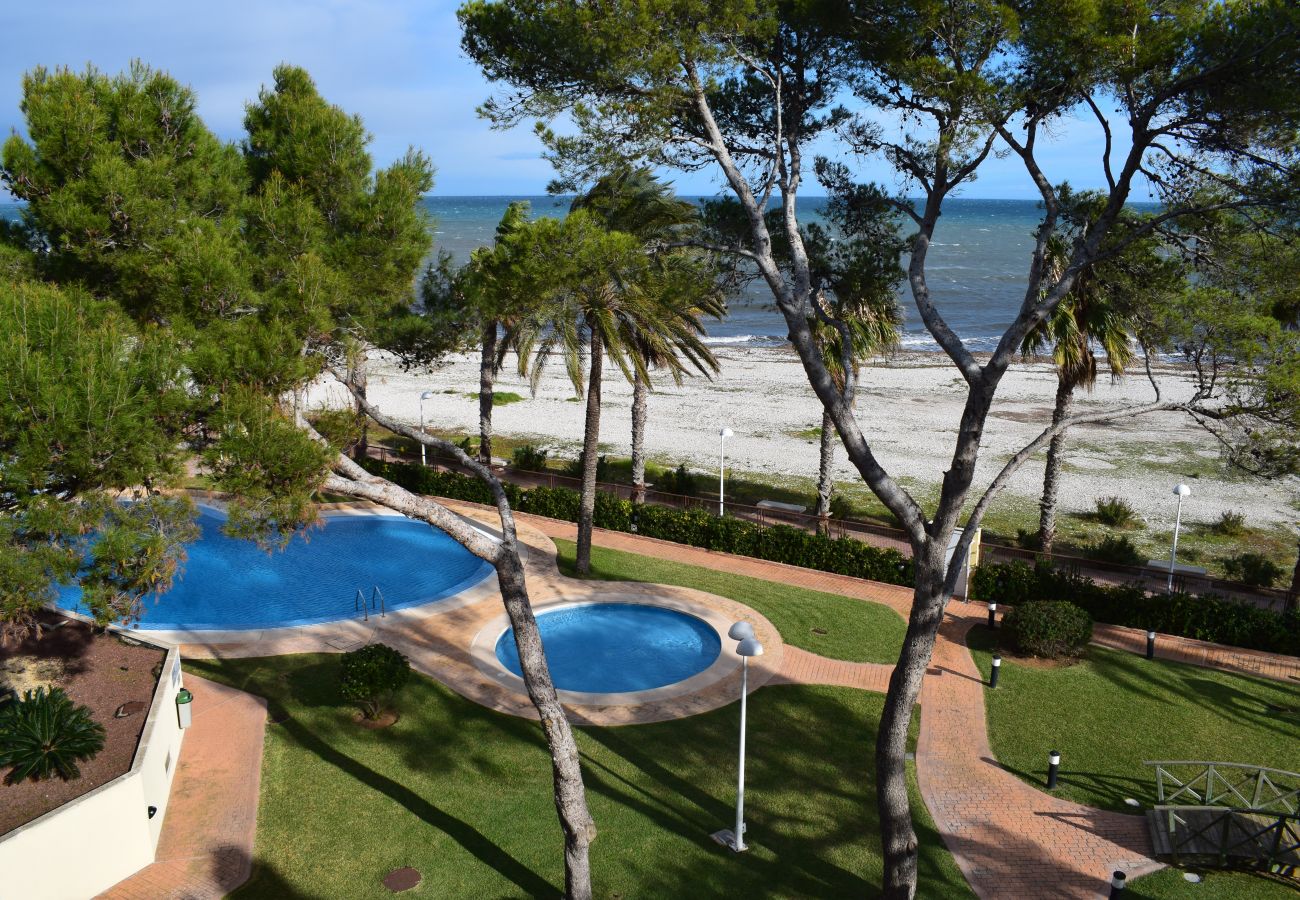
[(376, 596)]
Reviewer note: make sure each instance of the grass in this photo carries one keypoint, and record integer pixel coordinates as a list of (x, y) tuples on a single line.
[(464, 795), (499, 398), (1112, 710), (1169, 884), (855, 630)]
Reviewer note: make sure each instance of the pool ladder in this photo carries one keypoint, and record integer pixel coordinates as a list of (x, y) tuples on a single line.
[(376, 597)]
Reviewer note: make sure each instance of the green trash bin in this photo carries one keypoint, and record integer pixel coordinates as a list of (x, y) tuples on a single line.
[(184, 707)]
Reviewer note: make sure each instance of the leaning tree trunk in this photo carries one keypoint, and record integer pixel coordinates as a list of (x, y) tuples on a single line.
[(640, 392), (825, 486), (570, 794), (486, 393), (358, 377), (1052, 471), (590, 458), (897, 838), (1293, 595)]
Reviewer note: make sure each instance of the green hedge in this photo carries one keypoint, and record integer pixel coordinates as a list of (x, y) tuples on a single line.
[(696, 527), (1207, 617)]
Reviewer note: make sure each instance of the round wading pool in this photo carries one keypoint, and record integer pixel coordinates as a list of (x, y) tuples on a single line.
[(610, 648), (229, 584)]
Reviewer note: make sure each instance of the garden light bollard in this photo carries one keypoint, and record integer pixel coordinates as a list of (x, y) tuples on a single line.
[(993, 616), (1053, 765), (425, 396), (1118, 881), (1180, 491), (184, 707), (748, 646), (1151, 645), (996, 671)]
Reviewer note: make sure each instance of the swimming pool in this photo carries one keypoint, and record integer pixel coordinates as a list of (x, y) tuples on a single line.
[(610, 648), (229, 584)]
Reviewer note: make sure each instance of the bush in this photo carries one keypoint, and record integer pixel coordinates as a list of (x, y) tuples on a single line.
[(680, 482), (696, 527), (574, 468), (1115, 512), (47, 734), (1207, 617), (1048, 628), (1118, 550), (371, 676), (528, 458), (841, 508), (1028, 540), (1252, 569), (1230, 524)]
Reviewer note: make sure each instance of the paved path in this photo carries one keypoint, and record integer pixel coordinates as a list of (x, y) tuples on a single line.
[(206, 847)]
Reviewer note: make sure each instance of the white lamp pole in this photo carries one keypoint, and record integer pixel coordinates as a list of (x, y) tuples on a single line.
[(748, 646), (1180, 491), (723, 434), (425, 396)]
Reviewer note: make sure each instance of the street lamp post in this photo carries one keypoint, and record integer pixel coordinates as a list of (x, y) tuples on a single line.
[(1180, 491), (425, 396), (748, 646), (723, 434)]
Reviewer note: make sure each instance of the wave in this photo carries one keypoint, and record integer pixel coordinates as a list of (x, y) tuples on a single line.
[(757, 340)]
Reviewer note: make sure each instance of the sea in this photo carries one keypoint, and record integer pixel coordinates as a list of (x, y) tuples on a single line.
[(977, 266)]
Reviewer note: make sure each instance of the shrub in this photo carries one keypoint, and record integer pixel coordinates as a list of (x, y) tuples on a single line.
[(680, 482), (1111, 549), (528, 458), (574, 468), (1028, 540), (1206, 618), (1252, 569), (1115, 512), (370, 676), (1230, 524), (841, 508), (47, 734), (1048, 628)]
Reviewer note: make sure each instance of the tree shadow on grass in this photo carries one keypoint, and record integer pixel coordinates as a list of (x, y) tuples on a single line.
[(466, 835), (1111, 789)]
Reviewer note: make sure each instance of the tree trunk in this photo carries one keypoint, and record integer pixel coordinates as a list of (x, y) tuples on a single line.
[(570, 794), (1052, 471), (640, 390), (358, 376), (1293, 595), (486, 394), (825, 486), (897, 838), (590, 457)]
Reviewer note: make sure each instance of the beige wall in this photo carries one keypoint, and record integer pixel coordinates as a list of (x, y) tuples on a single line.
[(93, 842)]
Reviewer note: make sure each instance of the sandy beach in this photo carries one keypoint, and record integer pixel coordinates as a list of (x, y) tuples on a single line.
[(908, 406)]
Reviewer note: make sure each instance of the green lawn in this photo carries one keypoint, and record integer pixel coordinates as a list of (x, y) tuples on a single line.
[(1169, 884), (854, 630), (463, 794), (1109, 712)]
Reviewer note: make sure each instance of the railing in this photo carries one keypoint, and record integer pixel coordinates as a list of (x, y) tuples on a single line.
[(1239, 811), (871, 533), (359, 603)]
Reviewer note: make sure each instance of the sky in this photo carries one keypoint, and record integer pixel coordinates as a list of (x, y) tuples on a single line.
[(397, 64)]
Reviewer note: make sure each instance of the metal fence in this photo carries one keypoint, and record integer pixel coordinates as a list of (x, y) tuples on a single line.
[(870, 532)]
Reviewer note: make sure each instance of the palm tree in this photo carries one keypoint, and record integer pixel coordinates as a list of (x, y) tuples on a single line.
[(601, 295), (872, 324), (633, 201), (1091, 318)]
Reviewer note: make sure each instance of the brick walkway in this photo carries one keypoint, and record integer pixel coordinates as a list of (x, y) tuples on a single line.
[(206, 848)]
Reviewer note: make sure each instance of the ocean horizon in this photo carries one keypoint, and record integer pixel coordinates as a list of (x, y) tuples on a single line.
[(977, 268)]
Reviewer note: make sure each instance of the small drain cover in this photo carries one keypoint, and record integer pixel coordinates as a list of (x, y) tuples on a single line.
[(130, 708), (402, 879)]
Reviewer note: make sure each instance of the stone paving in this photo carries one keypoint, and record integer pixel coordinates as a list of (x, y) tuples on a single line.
[(206, 847)]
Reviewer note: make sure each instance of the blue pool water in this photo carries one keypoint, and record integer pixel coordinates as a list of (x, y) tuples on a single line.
[(608, 648), (231, 584)]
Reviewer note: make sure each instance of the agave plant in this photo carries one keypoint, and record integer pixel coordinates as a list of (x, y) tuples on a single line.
[(47, 734)]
